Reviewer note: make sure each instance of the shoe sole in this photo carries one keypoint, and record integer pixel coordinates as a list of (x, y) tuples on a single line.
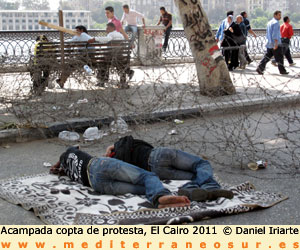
[(194, 195)]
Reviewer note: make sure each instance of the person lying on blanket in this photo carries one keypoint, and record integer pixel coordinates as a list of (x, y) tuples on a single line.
[(115, 177), (171, 164)]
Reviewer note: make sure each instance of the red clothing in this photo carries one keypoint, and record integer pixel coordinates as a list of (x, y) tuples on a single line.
[(286, 30), (116, 22)]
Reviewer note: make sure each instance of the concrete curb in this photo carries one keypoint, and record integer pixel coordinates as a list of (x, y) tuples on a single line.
[(79, 125)]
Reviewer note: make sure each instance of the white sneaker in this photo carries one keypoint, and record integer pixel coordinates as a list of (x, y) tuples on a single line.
[(292, 64)]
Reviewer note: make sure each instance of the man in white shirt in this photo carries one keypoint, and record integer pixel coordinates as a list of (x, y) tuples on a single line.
[(103, 73), (82, 35), (112, 34), (131, 16)]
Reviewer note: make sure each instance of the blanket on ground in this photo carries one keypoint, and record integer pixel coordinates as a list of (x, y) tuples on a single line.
[(58, 200)]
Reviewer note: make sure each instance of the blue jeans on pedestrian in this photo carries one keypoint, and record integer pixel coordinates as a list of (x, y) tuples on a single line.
[(115, 177), (133, 29), (173, 164)]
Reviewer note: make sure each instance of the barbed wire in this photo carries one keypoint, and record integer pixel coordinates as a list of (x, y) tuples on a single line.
[(260, 122)]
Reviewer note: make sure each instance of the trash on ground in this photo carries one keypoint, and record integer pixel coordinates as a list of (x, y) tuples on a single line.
[(6, 146), (119, 126), (69, 136), (81, 101), (173, 132), (257, 165), (71, 105), (47, 164), (88, 70), (177, 121), (92, 133)]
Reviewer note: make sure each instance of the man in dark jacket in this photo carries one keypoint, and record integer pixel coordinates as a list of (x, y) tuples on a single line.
[(171, 164)]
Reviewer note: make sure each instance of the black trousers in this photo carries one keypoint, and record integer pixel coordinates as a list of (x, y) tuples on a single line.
[(286, 49), (167, 36), (268, 56)]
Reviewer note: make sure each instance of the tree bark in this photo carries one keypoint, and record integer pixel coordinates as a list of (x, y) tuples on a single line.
[(212, 71)]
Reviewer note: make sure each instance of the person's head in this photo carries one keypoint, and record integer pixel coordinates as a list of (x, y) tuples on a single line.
[(80, 29), (239, 19), (286, 19), (110, 27), (162, 10), (230, 18), (109, 12), (229, 13), (244, 14), (42, 38), (277, 14), (126, 8)]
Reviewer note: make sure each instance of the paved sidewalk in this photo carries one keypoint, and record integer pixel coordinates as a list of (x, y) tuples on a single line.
[(156, 92)]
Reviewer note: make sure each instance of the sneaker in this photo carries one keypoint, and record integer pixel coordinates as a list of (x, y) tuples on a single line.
[(250, 61), (198, 194), (274, 63), (258, 70), (292, 64), (130, 75), (217, 193), (194, 194), (284, 73)]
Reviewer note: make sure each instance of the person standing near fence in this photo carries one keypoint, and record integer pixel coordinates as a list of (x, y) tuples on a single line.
[(110, 14), (273, 43), (166, 19), (130, 17), (248, 29)]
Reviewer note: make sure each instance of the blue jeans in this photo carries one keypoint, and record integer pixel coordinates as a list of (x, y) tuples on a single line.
[(133, 29), (173, 164), (115, 177)]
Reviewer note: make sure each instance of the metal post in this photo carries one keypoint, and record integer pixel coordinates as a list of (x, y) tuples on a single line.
[(61, 37)]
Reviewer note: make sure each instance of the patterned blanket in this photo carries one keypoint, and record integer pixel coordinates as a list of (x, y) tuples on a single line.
[(61, 201)]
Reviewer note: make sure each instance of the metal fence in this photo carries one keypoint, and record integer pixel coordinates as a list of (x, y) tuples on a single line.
[(16, 47)]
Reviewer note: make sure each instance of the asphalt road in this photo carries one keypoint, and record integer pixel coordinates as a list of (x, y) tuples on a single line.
[(281, 175)]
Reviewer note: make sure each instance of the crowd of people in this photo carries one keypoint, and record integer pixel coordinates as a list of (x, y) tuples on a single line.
[(232, 36)]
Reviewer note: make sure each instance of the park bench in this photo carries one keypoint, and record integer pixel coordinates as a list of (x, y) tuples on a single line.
[(99, 56)]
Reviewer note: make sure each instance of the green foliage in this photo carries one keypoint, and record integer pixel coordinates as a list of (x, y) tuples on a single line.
[(5, 5), (259, 22), (36, 4)]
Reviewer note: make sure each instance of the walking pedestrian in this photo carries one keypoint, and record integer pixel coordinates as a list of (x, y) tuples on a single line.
[(286, 31), (273, 43), (223, 26), (248, 30)]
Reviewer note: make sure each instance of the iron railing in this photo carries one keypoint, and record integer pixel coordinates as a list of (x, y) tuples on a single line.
[(16, 47)]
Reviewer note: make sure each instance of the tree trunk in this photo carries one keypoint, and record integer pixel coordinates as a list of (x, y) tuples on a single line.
[(212, 71)]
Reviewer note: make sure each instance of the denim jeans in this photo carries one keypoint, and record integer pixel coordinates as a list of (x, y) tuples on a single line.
[(133, 29), (115, 177), (173, 164)]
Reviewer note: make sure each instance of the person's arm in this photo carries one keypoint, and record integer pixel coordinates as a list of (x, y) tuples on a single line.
[(55, 169), (169, 24), (276, 35), (159, 21), (219, 32), (291, 31), (124, 33), (100, 39), (252, 32), (144, 23), (123, 18), (109, 150)]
